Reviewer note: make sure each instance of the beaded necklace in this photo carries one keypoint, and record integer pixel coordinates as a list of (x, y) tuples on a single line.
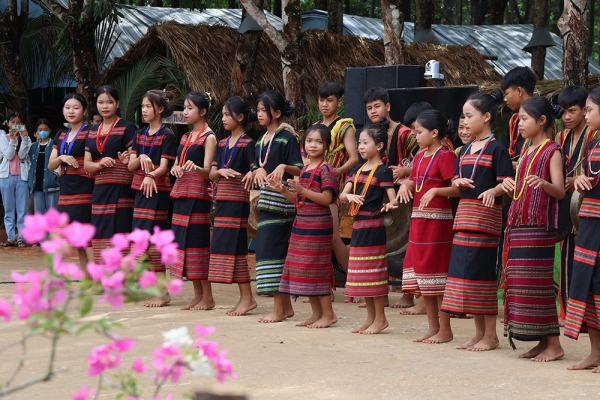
[(517, 197), (310, 181), (419, 188), (226, 164), (354, 207), (590, 171), (101, 144), (262, 163), (145, 136)]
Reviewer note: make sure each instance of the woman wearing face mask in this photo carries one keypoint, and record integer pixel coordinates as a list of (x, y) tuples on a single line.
[(43, 182), (14, 170)]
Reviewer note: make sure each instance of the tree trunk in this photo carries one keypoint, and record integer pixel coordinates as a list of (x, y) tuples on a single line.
[(591, 25), (242, 75), (573, 29), (321, 5), (497, 8), (476, 17), (372, 9), (516, 12), (291, 56), (393, 25), (289, 44), (335, 16), (424, 14), (459, 12), (12, 26), (159, 3), (347, 6), (528, 7), (538, 54)]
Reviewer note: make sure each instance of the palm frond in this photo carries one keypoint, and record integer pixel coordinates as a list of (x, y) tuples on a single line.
[(106, 39)]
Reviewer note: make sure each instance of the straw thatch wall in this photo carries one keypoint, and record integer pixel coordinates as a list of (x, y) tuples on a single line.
[(206, 55)]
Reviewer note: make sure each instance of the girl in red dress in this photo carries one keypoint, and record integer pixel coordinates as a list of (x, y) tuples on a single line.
[(430, 239)]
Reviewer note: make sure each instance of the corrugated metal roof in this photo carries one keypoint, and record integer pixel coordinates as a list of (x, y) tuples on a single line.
[(504, 41), (136, 20)]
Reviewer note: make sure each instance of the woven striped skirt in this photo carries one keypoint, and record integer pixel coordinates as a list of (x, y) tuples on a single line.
[(148, 213), (229, 247), (272, 241), (471, 285), (567, 254), (367, 266), (191, 225), (76, 198), (583, 308), (529, 302), (308, 270), (112, 212), (427, 257)]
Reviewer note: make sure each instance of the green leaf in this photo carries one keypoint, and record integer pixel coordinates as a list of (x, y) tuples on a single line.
[(84, 328), (86, 306)]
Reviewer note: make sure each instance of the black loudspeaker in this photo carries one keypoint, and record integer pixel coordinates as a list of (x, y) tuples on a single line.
[(359, 80), (449, 100)]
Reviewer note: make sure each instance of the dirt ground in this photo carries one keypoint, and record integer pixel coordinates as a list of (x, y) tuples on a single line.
[(287, 362)]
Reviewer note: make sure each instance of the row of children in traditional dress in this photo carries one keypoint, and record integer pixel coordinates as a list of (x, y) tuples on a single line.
[(117, 178)]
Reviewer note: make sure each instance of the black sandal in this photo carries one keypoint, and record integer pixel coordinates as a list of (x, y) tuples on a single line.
[(21, 244), (8, 243)]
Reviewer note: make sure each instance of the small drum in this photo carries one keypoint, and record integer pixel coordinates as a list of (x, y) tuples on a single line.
[(252, 225), (574, 208)]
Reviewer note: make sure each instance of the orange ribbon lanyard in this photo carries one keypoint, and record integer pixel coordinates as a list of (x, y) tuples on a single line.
[(310, 181), (354, 207), (189, 142)]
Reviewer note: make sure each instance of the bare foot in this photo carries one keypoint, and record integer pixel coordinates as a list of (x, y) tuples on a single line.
[(362, 328), (440, 337), (234, 307), (158, 302), (426, 336), (590, 361), (418, 309), (485, 345), (385, 304), (470, 343), (324, 322), (552, 353), (350, 299), (541, 346), (403, 302), (375, 328), (312, 319), (205, 304), (273, 317), (242, 308), (596, 370), (306, 300), (192, 303), (462, 316)]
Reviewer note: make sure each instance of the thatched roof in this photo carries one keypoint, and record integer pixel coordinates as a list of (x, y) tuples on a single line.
[(206, 55)]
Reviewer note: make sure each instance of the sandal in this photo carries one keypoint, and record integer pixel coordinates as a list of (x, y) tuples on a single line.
[(8, 243), (21, 244)]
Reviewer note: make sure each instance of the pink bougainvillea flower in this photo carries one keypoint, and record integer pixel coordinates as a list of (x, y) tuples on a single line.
[(162, 238), (114, 299), (174, 286), (56, 245), (168, 254), (79, 235), (203, 331), (84, 393), (160, 355), (96, 271), (140, 239), (35, 229), (115, 282), (5, 310), (55, 220), (120, 241), (112, 259), (122, 345), (139, 367), (147, 279), (223, 367), (102, 359), (69, 269)]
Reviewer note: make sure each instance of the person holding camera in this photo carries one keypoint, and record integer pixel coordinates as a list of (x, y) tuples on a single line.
[(14, 172)]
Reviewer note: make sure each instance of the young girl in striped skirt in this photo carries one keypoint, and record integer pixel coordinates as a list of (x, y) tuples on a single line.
[(231, 168), (154, 150), (583, 308), (277, 160), (480, 169), (107, 146), (528, 278), (365, 188), (193, 198), (308, 270), (430, 235), (76, 186)]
